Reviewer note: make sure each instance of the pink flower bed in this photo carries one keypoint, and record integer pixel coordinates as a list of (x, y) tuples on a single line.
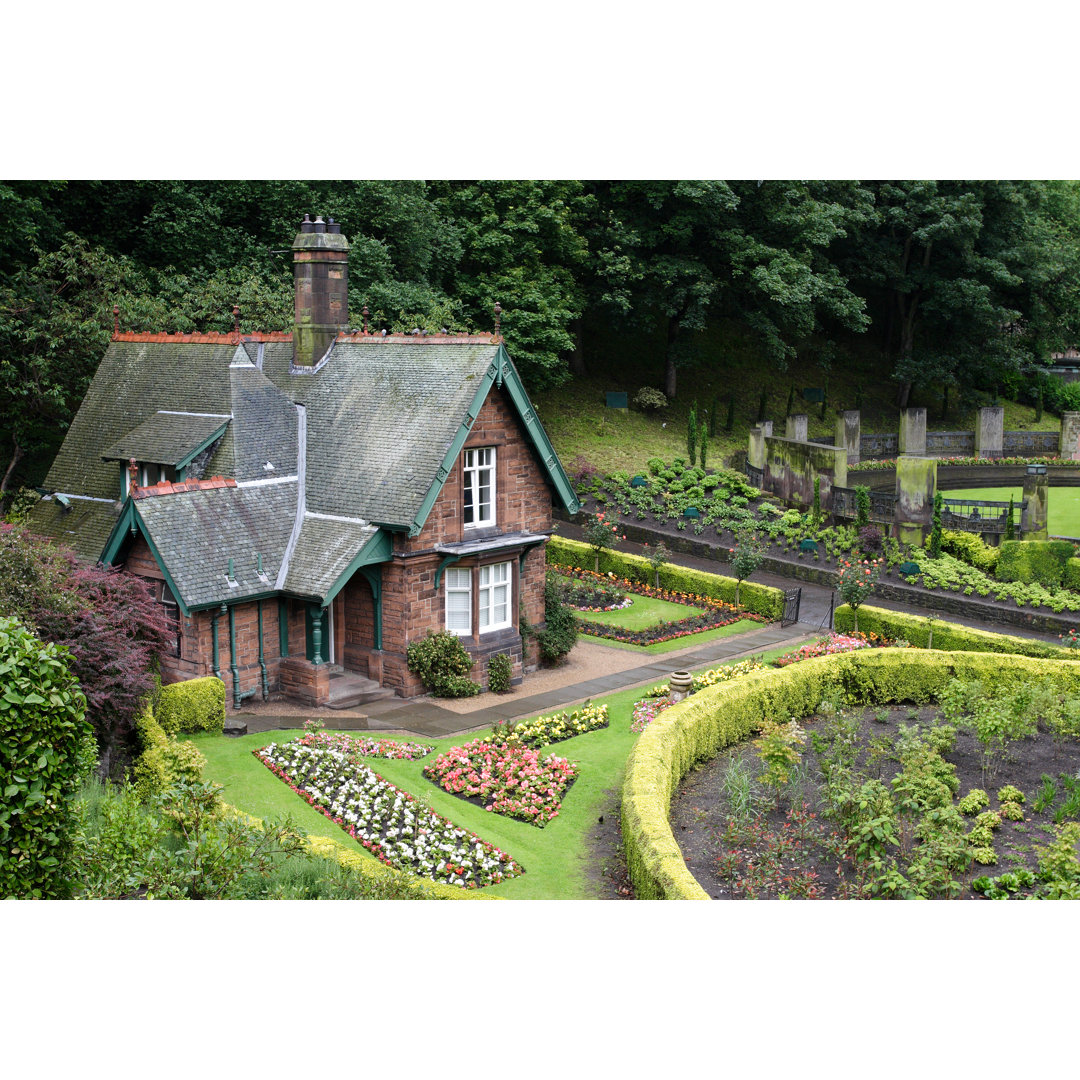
[(508, 779), (834, 643)]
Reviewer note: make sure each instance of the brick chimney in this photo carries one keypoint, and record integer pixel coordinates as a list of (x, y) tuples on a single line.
[(321, 281)]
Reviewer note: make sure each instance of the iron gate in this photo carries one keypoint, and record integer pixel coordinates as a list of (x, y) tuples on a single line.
[(792, 599)]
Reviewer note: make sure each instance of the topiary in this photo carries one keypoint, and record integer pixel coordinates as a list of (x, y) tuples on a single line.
[(443, 665)]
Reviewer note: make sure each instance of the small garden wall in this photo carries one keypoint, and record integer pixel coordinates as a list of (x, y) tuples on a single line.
[(696, 729)]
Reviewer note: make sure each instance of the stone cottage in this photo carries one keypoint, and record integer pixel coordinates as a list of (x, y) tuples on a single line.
[(306, 504)]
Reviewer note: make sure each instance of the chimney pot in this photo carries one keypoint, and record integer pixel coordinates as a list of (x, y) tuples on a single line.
[(320, 225), (333, 226), (307, 225)]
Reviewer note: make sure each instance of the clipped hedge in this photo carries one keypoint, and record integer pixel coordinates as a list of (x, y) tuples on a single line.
[(759, 599), (948, 637), (164, 759), (1072, 574), (43, 732), (1028, 561), (192, 705), (699, 727)]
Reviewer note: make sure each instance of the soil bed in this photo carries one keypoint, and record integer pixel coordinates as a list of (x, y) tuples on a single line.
[(796, 852)]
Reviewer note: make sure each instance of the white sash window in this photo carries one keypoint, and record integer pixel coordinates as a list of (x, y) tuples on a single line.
[(478, 470), (495, 594), (459, 601)]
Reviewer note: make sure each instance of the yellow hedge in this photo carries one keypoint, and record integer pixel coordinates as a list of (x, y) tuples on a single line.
[(759, 599), (192, 705), (948, 636), (696, 729)]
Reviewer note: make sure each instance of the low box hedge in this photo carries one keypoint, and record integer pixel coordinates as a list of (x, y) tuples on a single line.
[(191, 706), (696, 729), (948, 637), (1029, 561), (1072, 574), (759, 599)]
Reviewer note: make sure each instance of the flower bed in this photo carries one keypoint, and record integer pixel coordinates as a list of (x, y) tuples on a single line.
[(598, 595), (358, 746), (715, 615), (709, 678), (890, 463), (834, 643), (545, 730), (647, 710), (505, 779), (385, 820)]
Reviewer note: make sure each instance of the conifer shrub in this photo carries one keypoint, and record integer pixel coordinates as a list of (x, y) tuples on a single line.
[(192, 705), (560, 631), (500, 673)]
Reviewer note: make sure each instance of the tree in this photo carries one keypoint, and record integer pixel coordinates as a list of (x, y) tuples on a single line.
[(856, 581), (746, 557)]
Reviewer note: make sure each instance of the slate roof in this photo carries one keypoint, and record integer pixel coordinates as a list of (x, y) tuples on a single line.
[(196, 533), (168, 438), (381, 417), (323, 552)]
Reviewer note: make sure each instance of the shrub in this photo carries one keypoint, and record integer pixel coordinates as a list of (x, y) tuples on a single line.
[(974, 801), (871, 540), (1034, 560), (1071, 580), (500, 672), (971, 549), (443, 665), (192, 705), (649, 399), (560, 631), (109, 621), (164, 760), (43, 731)]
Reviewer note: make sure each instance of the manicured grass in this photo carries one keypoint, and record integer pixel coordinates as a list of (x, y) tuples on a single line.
[(690, 641), (556, 858), (1063, 509), (645, 611)]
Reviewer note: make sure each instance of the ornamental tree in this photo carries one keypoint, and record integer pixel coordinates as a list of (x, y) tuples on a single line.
[(856, 581), (601, 533), (746, 557)]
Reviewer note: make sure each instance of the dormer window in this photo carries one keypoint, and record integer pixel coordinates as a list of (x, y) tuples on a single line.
[(478, 470), (148, 473)]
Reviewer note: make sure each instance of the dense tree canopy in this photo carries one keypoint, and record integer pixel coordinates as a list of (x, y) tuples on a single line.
[(953, 283)]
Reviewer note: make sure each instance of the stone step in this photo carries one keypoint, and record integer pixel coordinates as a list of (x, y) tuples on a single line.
[(347, 691)]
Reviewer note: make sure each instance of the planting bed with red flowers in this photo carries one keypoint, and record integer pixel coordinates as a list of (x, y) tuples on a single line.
[(715, 614), (505, 778)]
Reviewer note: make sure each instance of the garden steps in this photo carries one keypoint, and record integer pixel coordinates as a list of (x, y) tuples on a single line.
[(347, 689)]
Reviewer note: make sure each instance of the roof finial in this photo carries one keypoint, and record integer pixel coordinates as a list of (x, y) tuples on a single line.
[(365, 313), (116, 321), (498, 322), (236, 320)]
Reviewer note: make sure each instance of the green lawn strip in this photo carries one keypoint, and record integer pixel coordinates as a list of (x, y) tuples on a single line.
[(645, 611), (555, 857), (690, 641), (1062, 511)]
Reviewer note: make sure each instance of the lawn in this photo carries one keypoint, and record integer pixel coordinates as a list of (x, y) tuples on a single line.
[(1063, 510), (555, 858), (643, 612)]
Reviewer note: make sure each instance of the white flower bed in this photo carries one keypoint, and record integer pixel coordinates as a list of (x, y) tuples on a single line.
[(387, 821)]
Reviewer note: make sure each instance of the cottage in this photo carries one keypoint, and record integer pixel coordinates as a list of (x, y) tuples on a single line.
[(306, 504)]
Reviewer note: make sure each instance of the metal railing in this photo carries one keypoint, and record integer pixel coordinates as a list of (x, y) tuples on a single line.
[(882, 505), (979, 515)]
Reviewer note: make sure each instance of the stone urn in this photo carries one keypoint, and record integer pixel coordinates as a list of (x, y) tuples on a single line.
[(679, 685)]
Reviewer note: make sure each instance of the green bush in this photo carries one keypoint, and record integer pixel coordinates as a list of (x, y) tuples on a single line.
[(443, 665), (896, 625), (759, 599), (971, 549), (191, 706), (164, 760), (43, 736), (1028, 561), (560, 632), (1071, 580), (500, 672)]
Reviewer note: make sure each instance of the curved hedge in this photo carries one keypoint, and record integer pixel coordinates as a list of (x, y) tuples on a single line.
[(948, 637), (759, 599), (696, 729)]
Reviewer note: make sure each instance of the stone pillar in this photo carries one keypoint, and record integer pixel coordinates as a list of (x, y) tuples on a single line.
[(849, 434), (755, 452), (766, 427), (913, 432), (1037, 493), (796, 428), (916, 485), (989, 431), (1069, 447)]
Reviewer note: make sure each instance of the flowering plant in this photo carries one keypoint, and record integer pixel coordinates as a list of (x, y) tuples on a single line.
[(390, 823), (601, 533), (506, 778), (856, 580), (647, 710), (710, 677), (551, 729), (353, 746), (834, 643), (1071, 640)]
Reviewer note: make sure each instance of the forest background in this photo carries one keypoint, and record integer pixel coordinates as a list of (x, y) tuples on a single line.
[(961, 287)]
